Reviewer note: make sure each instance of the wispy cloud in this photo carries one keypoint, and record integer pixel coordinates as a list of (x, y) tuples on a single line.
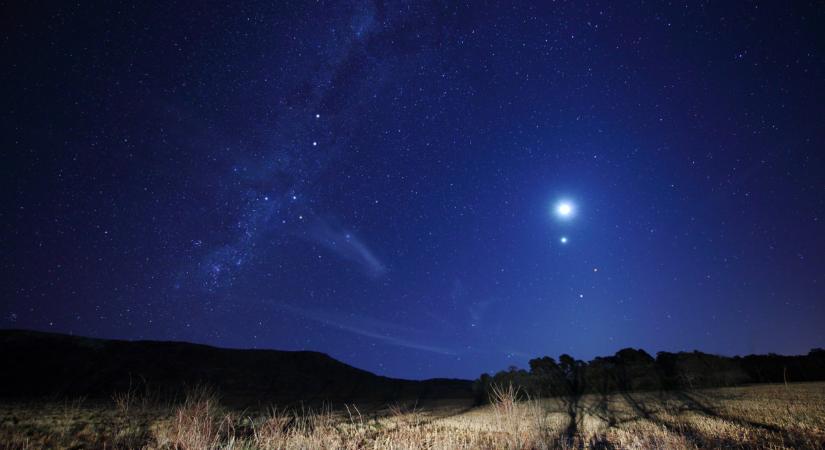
[(347, 245), (387, 332), (478, 311)]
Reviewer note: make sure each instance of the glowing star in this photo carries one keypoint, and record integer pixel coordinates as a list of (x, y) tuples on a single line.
[(563, 239), (564, 209)]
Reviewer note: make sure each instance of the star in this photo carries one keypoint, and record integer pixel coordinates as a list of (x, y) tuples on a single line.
[(565, 209), (563, 239)]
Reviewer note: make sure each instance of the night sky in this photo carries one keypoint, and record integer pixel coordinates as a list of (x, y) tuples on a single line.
[(418, 190)]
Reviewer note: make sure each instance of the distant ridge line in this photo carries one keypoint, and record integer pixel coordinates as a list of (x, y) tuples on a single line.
[(44, 364)]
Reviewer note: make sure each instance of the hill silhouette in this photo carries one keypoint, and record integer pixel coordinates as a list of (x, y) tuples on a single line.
[(47, 365)]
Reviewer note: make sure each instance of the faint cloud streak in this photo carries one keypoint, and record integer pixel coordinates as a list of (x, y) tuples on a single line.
[(368, 327), (348, 246)]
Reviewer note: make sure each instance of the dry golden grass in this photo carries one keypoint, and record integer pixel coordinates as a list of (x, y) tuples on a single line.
[(766, 416)]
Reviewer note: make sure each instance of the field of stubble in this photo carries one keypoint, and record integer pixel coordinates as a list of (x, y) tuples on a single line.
[(764, 416)]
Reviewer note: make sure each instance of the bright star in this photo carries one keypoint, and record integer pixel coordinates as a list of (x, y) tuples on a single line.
[(564, 209), (563, 239)]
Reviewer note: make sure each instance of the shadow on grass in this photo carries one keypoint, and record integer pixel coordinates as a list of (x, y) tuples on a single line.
[(681, 402)]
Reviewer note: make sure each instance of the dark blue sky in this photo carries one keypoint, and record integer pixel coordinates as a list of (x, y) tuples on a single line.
[(377, 181)]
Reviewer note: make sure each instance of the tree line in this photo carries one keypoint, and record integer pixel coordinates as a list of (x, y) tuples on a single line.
[(636, 370)]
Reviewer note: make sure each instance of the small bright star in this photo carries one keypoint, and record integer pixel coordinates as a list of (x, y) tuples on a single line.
[(314, 143), (563, 239), (317, 116)]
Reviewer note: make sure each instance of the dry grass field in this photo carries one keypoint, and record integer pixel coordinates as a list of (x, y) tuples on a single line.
[(763, 416)]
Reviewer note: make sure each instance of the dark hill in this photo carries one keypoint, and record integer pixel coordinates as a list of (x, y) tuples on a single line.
[(37, 364)]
